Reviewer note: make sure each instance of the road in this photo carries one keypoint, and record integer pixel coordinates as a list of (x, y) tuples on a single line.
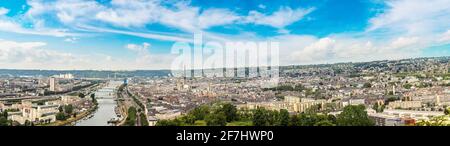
[(126, 102)]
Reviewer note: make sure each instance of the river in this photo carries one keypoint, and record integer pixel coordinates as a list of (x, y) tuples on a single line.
[(106, 105)]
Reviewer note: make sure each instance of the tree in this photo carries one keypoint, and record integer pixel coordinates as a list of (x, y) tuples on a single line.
[(367, 85), (310, 119), (330, 107), (407, 86), (245, 115), (391, 99), (68, 109), (299, 87), (314, 109), (216, 119), (272, 117), (81, 95), (332, 119), (60, 109), (200, 112), (61, 116), (188, 119), (168, 123), (230, 112), (3, 121), (354, 115), (93, 99), (447, 111), (324, 123), (294, 121), (376, 107), (27, 123), (260, 117), (435, 121), (4, 114), (144, 121), (131, 118), (284, 118)]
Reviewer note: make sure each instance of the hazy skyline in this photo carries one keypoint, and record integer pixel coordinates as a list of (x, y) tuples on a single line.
[(132, 35)]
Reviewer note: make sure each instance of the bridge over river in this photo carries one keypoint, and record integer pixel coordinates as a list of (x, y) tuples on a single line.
[(106, 106)]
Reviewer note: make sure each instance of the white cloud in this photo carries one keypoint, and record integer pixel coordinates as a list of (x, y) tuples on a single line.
[(180, 15), (67, 11), (144, 59), (70, 11), (7, 25), (29, 55), (3, 11), (71, 39), (190, 19), (37, 7), (279, 19), (445, 37), (319, 50), (130, 13), (403, 42), (216, 17), (261, 6), (149, 35), (304, 49), (35, 55), (404, 30), (413, 17), (141, 50), (37, 26), (143, 55)]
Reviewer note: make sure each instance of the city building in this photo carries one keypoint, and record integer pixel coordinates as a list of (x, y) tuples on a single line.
[(418, 115), (404, 104), (35, 113), (292, 99), (152, 120), (353, 102), (168, 114), (290, 103), (52, 83)]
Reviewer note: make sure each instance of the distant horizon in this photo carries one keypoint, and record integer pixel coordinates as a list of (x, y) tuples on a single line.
[(226, 68)]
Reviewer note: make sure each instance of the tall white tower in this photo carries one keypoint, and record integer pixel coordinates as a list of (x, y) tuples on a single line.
[(438, 100), (52, 84), (393, 90)]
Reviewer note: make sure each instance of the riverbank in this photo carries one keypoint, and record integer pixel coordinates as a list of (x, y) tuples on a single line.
[(72, 119), (123, 113)]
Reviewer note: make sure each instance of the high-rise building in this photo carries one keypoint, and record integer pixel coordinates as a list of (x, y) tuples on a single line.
[(52, 84), (258, 72), (393, 90), (438, 100), (247, 72), (224, 72)]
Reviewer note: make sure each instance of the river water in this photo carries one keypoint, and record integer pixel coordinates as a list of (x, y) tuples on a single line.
[(106, 106)]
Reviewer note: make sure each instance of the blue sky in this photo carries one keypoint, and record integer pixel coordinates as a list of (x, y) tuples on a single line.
[(127, 35)]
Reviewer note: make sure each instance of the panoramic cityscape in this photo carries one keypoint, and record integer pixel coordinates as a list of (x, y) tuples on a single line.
[(389, 93), (224, 63)]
